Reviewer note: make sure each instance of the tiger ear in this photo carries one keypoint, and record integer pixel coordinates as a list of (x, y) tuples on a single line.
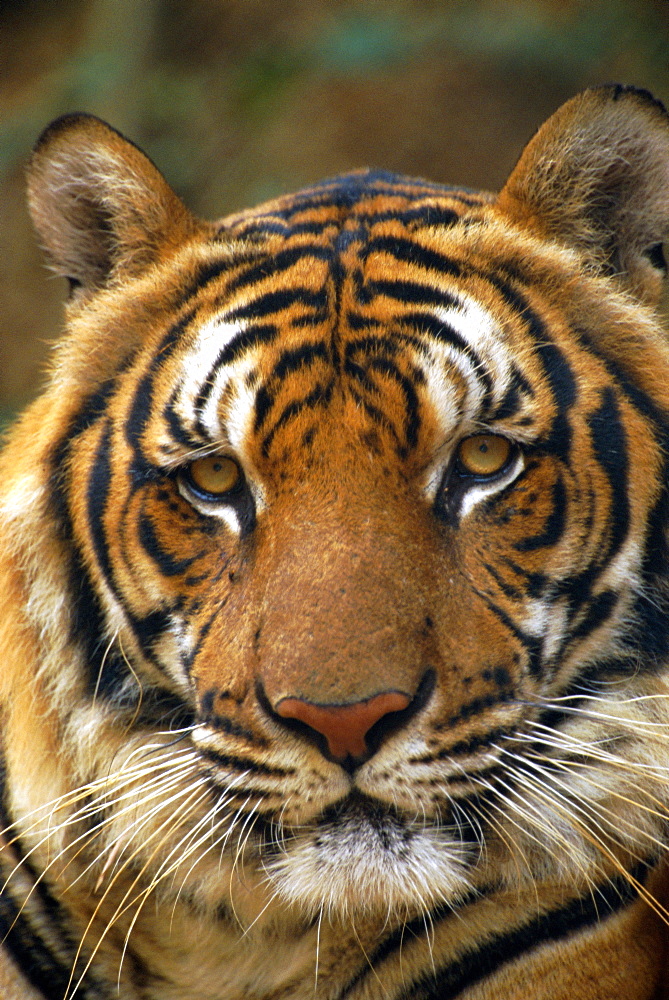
[(596, 178), (99, 205)]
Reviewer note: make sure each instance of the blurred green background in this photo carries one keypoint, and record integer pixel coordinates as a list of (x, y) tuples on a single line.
[(238, 100)]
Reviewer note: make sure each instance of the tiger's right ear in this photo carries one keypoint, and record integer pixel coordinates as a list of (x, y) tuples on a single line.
[(595, 177), (102, 210)]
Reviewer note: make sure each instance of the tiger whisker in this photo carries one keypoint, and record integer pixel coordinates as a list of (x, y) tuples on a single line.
[(192, 796), (598, 808), (588, 834)]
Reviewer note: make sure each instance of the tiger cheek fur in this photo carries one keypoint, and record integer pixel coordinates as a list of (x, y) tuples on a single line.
[(335, 643)]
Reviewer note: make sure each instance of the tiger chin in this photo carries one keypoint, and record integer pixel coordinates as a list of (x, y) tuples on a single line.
[(334, 635)]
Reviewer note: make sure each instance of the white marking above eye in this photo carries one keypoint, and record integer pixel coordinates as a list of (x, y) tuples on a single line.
[(199, 372)]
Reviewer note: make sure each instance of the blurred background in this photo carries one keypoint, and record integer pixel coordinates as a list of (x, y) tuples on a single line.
[(240, 100)]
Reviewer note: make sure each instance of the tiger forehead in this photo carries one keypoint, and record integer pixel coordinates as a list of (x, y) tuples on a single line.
[(348, 293), (271, 366)]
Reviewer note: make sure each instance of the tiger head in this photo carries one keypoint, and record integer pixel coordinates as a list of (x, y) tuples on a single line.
[(336, 545)]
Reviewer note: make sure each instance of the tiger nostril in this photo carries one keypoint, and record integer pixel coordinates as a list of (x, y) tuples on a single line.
[(345, 727)]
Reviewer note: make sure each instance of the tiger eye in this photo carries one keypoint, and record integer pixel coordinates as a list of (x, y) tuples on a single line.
[(214, 474), (484, 454)]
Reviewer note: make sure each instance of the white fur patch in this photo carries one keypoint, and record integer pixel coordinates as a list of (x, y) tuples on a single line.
[(200, 372), (360, 864)]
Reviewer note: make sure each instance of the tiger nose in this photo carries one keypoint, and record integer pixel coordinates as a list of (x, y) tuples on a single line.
[(345, 727)]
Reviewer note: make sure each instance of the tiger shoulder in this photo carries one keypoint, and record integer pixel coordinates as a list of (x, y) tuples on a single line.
[(334, 634)]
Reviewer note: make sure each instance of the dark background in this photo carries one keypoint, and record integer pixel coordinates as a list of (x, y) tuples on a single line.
[(239, 100)]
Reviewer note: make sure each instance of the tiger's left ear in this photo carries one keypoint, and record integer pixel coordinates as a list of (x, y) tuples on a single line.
[(596, 178)]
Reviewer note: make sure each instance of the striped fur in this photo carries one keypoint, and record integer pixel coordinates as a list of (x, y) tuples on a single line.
[(367, 724)]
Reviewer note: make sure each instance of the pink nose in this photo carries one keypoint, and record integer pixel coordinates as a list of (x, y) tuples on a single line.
[(344, 726)]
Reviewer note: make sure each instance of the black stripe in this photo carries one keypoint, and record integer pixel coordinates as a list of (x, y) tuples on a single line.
[(411, 929), (278, 301), (411, 252), (179, 433), (655, 413), (553, 526), (86, 617), (511, 402), (97, 494), (374, 413), (205, 274), (406, 291), (467, 747), (320, 395), (537, 583), (555, 364), (202, 635), (243, 765), (246, 339), (142, 402), (289, 361), (424, 216), (146, 629), (556, 367), (416, 218), (610, 446), (648, 636), (223, 723), (530, 643), (430, 325), (601, 608), (166, 563), (412, 421), (481, 963), (276, 264), (444, 333), (25, 942)]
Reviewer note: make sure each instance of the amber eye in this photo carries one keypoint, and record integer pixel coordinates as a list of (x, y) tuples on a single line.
[(483, 454), (214, 474)]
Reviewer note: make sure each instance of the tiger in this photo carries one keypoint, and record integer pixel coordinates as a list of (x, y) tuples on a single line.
[(335, 571)]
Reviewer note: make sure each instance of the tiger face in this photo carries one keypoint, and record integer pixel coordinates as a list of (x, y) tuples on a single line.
[(338, 544)]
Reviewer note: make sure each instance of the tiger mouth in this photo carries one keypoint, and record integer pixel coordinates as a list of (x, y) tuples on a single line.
[(390, 828), (358, 807)]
